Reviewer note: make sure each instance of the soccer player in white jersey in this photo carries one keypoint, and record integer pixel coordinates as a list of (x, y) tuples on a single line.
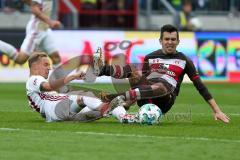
[(38, 34), (54, 106)]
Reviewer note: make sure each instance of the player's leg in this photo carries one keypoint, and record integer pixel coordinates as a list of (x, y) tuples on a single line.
[(18, 57), (87, 116), (118, 104), (94, 109), (164, 103), (47, 44), (21, 58), (116, 71), (92, 102), (159, 89), (29, 45), (68, 110), (63, 111), (98, 62), (8, 50)]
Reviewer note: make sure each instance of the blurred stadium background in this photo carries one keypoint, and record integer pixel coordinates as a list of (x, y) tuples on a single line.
[(188, 131), (88, 24)]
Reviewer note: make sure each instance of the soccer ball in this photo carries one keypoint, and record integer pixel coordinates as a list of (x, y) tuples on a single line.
[(149, 114)]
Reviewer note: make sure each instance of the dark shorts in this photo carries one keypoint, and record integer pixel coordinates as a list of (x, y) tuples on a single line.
[(164, 103)]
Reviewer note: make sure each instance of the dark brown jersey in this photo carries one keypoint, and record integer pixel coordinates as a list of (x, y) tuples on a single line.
[(172, 68)]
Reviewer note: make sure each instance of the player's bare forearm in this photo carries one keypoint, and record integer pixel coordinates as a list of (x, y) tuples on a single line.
[(35, 9), (218, 114), (56, 84), (214, 105)]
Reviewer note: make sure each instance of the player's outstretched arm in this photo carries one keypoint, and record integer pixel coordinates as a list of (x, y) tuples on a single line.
[(35, 9), (195, 78), (218, 114), (56, 84)]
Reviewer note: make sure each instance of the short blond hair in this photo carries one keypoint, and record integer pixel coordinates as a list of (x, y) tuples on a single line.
[(35, 57)]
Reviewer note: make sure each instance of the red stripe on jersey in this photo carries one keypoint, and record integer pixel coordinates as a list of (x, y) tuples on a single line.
[(194, 77), (33, 105), (132, 94), (176, 70), (155, 66), (118, 72), (52, 97)]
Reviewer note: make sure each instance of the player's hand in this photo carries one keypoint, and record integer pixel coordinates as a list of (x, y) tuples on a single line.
[(80, 76), (55, 24), (221, 116)]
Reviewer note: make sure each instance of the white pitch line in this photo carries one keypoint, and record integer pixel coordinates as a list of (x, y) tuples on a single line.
[(201, 114), (9, 129), (133, 135), (159, 137)]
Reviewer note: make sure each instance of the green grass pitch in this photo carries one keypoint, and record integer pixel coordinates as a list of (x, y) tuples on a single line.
[(187, 132)]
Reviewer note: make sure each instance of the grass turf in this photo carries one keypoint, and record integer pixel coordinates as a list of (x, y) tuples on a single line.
[(188, 131)]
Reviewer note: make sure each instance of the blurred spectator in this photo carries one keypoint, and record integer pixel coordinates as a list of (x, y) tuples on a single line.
[(108, 20), (128, 4), (201, 5), (216, 5), (88, 4), (116, 20), (156, 5), (120, 18), (142, 4), (9, 6), (177, 4), (184, 20), (88, 20), (108, 5)]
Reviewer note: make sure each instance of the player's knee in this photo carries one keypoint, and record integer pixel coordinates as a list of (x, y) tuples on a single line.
[(55, 57), (21, 59), (159, 89)]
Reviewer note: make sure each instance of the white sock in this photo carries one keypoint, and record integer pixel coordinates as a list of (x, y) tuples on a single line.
[(91, 102), (119, 112), (85, 109), (8, 49)]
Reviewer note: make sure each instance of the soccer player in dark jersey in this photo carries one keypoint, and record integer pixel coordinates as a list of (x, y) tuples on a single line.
[(162, 74)]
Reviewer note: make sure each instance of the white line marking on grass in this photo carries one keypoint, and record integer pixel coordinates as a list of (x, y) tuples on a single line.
[(9, 129), (233, 114), (202, 114), (131, 135), (159, 137)]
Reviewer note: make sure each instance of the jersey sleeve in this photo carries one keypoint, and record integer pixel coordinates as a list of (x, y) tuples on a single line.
[(195, 78), (35, 82)]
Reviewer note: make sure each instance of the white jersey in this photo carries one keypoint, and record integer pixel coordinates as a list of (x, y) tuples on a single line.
[(38, 34), (43, 102), (36, 24)]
